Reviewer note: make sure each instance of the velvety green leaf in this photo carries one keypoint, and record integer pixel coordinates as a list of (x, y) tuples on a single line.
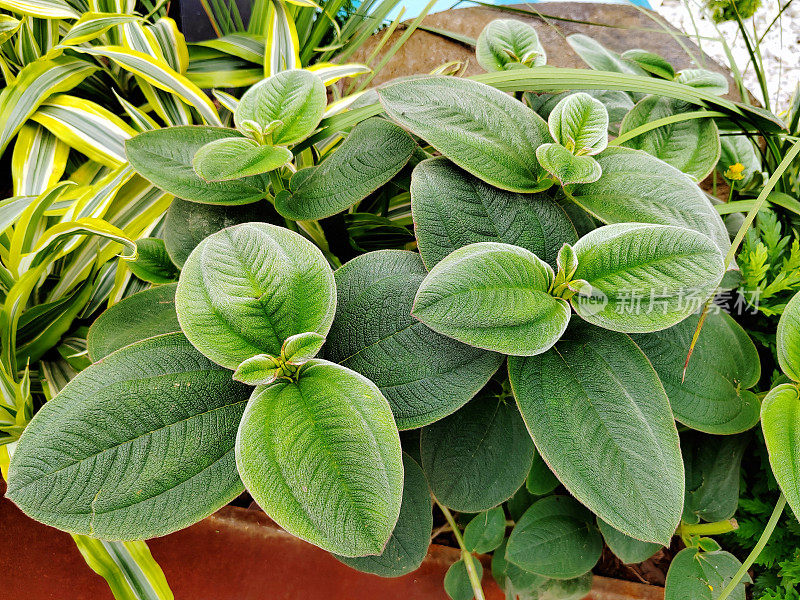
[(477, 457), (493, 296), (424, 375), (600, 418), (456, 580), (508, 43), (138, 445), (236, 157), (478, 127), (691, 146), (247, 288), (617, 104), (152, 262), (713, 396), (486, 531), (638, 188), (301, 347), (260, 369), (788, 339), (452, 208), (627, 549), (408, 546), (541, 480), (189, 223), (566, 167), (600, 58), (372, 154), (144, 315), (712, 466), (164, 157), (702, 575), (295, 97), (580, 124), (321, 455), (780, 421), (645, 277), (556, 538), (650, 62), (703, 79)]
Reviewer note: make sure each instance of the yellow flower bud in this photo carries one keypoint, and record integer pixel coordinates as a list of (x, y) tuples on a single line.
[(735, 172)]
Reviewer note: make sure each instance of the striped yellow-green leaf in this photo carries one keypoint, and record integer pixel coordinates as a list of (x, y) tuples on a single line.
[(87, 127), (242, 45), (321, 455), (160, 459), (33, 85), (8, 27), (92, 25), (780, 421), (43, 9), (282, 47), (330, 73), (171, 43), (38, 160)]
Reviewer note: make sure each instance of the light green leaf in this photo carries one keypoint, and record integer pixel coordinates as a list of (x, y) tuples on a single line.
[(555, 538), (301, 347), (788, 339), (424, 375), (580, 124), (638, 188), (247, 288), (143, 315), (493, 296), (566, 167), (477, 457), (645, 277), (296, 98), (260, 369), (713, 466), (374, 152), (702, 575), (713, 394), (481, 129), (152, 263), (160, 459), (651, 62), (691, 146), (596, 390), (507, 44), (629, 550), (328, 436), (780, 421), (486, 531), (408, 546), (236, 157), (33, 85), (457, 583), (164, 157), (600, 58), (452, 208), (703, 79), (189, 223)]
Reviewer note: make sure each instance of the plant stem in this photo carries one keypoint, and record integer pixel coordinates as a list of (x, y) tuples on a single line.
[(466, 555), (717, 528), (762, 542)]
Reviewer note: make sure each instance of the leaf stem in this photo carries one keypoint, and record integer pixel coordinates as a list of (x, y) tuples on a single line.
[(466, 555), (717, 528), (762, 542)]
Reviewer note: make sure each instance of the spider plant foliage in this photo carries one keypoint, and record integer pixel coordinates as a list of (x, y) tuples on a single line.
[(518, 288)]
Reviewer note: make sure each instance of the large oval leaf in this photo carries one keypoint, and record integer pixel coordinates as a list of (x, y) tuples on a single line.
[(702, 575), (691, 146), (556, 537), (247, 288), (493, 296), (713, 396), (295, 97), (788, 339), (601, 420), (481, 129), (424, 375), (144, 315), (408, 546), (477, 457), (452, 208), (639, 188), (164, 157), (780, 421), (189, 223), (321, 455), (645, 277), (372, 154), (138, 445)]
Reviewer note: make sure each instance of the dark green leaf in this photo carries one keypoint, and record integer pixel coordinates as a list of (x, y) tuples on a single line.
[(486, 531), (627, 549), (152, 263), (456, 580), (541, 480), (702, 575)]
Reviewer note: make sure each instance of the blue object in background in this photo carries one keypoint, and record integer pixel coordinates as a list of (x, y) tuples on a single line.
[(414, 7)]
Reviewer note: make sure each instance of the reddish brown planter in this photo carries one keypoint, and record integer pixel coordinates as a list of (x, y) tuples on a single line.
[(236, 554)]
